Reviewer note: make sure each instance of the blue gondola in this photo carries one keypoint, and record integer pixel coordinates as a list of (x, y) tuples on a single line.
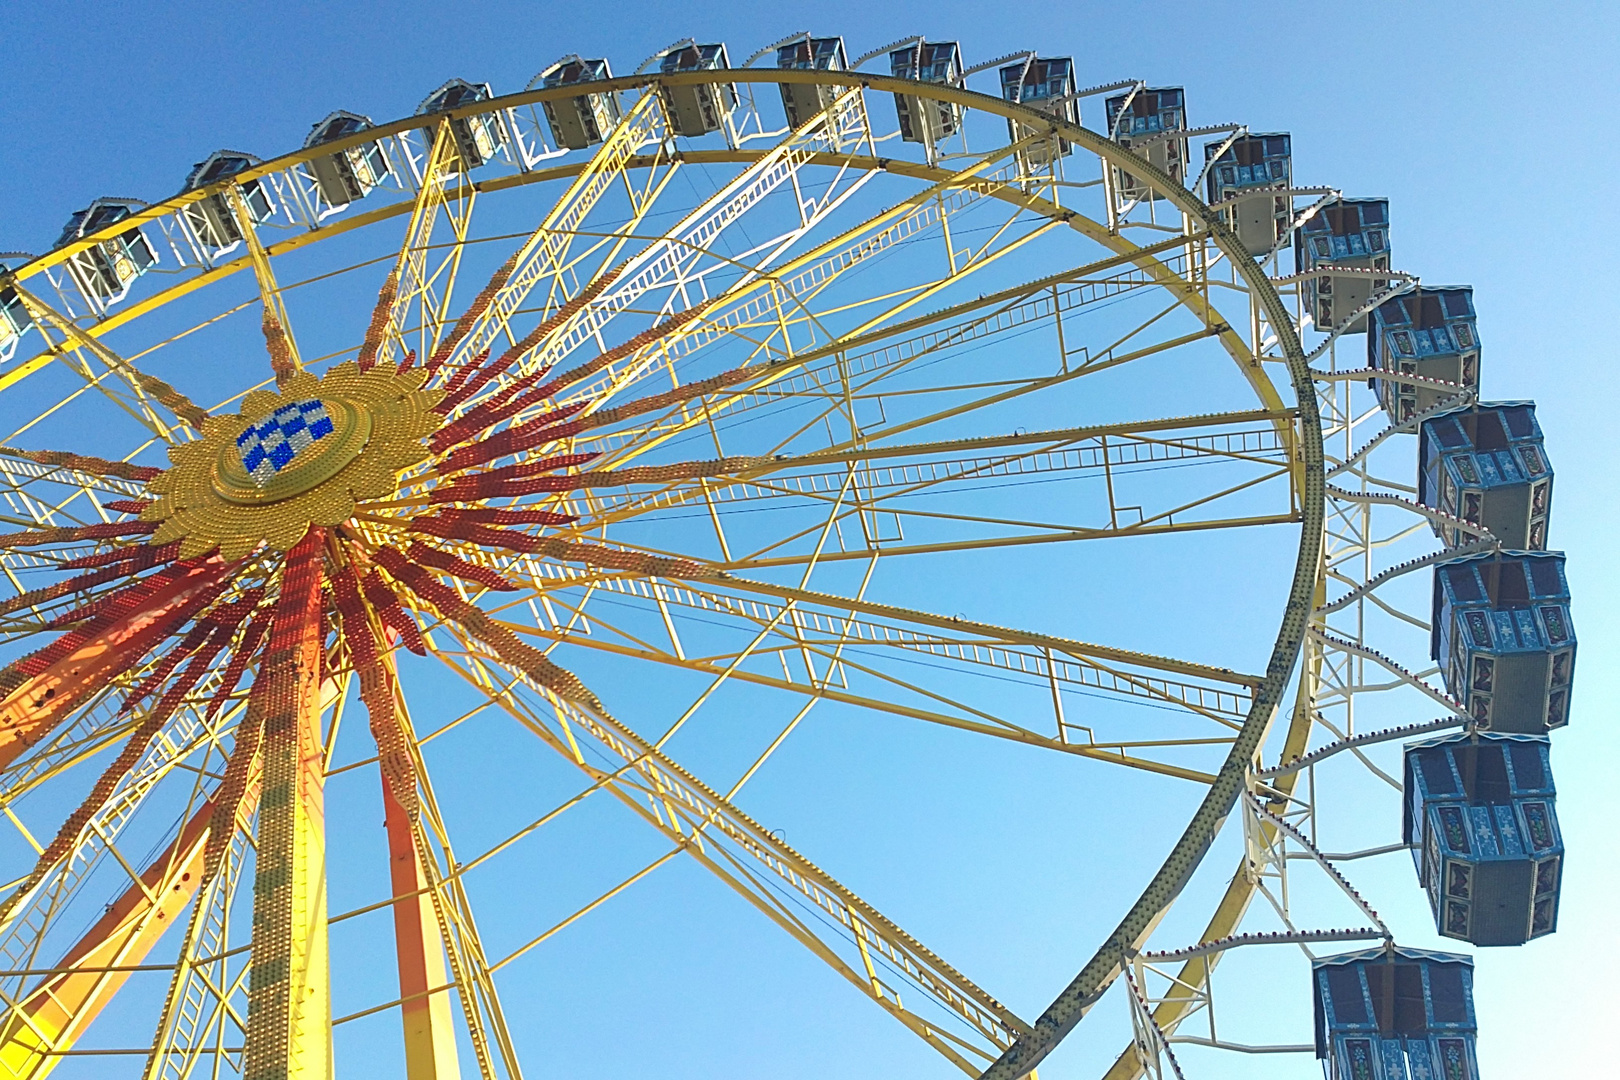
[(1241, 177), (1481, 821), (1145, 121), (1351, 235), (211, 217), (1503, 638), (105, 270), (14, 322), (585, 120), (349, 175), (478, 137), (697, 108), (1429, 332), (1395, 1013), (924, 120), (1046, 84), (803, 101), (1486, 464)]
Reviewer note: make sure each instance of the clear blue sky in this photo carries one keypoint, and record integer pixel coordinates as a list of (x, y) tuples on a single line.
[(1489, 126)]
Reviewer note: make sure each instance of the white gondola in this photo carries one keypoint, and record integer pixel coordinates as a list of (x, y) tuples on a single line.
[(584, 120), (350, 174), (479, 137), (211, 218), (105, 271)]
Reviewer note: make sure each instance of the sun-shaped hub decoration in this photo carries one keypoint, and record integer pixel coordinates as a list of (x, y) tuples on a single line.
[(342, 500), (317, 527), (302, 457)]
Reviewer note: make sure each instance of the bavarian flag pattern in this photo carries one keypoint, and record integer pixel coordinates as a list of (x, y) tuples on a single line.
[(270, 445)]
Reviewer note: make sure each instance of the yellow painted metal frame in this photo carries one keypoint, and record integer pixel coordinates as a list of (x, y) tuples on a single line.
[(1095, 976)]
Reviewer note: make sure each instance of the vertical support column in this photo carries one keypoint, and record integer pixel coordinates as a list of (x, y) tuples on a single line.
[(429, 1031), (430, 1042), (289, 1029)]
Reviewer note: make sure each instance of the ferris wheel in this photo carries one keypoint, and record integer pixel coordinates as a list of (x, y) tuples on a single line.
[(674, 441)]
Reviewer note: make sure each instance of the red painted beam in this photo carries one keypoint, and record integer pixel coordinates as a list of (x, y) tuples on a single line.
[(111, 645)]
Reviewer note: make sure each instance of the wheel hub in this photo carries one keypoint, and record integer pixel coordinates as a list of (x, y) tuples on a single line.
[(293, 459)]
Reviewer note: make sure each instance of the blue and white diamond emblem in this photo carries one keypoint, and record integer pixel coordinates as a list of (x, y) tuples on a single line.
[(271, 445)]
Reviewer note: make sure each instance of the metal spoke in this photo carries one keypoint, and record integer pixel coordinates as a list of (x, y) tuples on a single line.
[(417, 294), (278, 333), (885, 693), (760, 867), (140, 393)]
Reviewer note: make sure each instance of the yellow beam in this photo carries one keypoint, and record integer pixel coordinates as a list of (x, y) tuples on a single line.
[(1010, 541), (706, 826), (1058, 436), (1002, 730), (817, 269), (53, 1017), (1181, 997), (544, 253), (429, 1031), (200, 968), (92, 972), (957, 625), (78, 339), (278, 333), (410, 267)]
